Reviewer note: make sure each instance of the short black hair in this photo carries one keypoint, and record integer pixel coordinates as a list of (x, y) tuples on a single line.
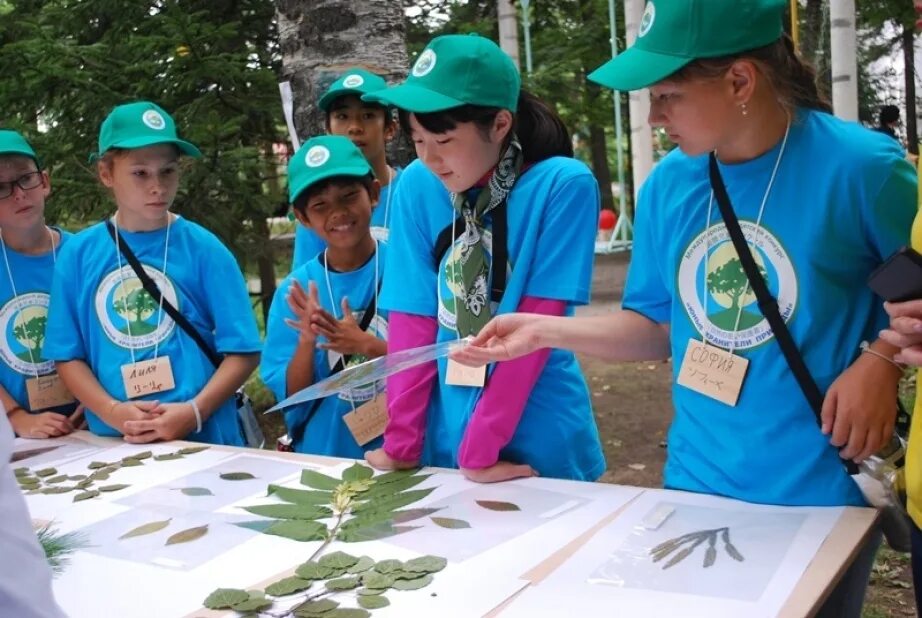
[(337, 103), (300, 202), (888, 114)]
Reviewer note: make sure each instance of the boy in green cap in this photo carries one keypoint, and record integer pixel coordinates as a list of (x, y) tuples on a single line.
[(33, 395), (139, 372), (325, 314), (370, 126)]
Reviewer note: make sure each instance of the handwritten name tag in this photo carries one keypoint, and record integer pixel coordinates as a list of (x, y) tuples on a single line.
[(146, 377), (713, 372)]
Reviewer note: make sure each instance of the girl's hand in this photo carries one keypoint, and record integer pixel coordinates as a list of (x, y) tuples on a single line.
[(905, 331), (122, 412), (304, 305), (41, 425), (498, 472), (176, 421), (503, 338)]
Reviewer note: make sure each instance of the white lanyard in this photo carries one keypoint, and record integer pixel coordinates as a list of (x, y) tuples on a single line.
[(121, 273), (387, 204), (707, 243), (326, 272), (9, 274)]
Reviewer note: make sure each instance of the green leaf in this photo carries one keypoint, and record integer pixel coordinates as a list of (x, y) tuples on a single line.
[(225, 598), (237, 476), (347, 612), (86, 495), (425, 564), (298, 530), (167, 457), (376, 601), (22, 471), (130, 462), (374, 532), (187, 536), (192, 450), (154, 526), (46, 472), (56, 490), (313, 570), (253, 604), (99, 475), (413, 584), (394, 475), (337, 560), (317, 480), (343, 583), (495, 505), (194, 491), (395, 486), (142, 455), (394, 502), (406, 574), (364, 563), (56, 479), (28, 481), (315, 608), (97, 465), (111, 468), (116, 487), (402, 517), (387, 566), (451, 524), (77, 477), (300, 496), (357, 472), (373, 579), (289, 511), (289, 585), (370, 592), (259, 525), (84, 483)]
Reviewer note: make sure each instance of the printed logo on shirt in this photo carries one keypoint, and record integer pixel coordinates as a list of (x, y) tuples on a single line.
[(154, 120), (717, 296), (425, 63), (353, 81), (317, 156), (646, 21), (129, 315), (367, 392), (22, 324)]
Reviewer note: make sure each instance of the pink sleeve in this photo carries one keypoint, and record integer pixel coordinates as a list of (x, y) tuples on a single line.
[(409, 391), (500, 408)]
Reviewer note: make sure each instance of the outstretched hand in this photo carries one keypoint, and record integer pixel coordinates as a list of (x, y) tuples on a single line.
[(504, 338)]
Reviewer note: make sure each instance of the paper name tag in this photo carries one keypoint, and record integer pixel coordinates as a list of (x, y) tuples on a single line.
[(368, 421), (713, 372), (47, 392), (462, 375), (146, 377)]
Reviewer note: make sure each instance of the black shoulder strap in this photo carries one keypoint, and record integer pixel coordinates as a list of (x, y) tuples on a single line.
[(151, 287), (500, 247), (767, 303)]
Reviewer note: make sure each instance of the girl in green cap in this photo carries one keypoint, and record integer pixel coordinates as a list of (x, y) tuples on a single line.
[(820, 201), (495, 216), (139, 372)]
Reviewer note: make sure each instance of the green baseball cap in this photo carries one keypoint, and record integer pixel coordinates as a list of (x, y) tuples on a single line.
[(356, 81), (456, 70), (138, 125), (324, 157), (13, 143), (673, 33)]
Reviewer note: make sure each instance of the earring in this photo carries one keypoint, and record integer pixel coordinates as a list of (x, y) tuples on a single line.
[(744, 109)]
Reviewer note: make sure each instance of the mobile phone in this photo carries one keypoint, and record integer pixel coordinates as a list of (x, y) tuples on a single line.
[(899, 278)]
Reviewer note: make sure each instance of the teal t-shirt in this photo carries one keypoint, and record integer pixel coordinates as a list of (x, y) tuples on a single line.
[(100, 313), (552, 218), (23, 318), (308, 244), (326, 433), (843, 200)]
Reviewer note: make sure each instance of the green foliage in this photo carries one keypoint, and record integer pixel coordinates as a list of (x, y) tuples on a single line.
[(58, 547)]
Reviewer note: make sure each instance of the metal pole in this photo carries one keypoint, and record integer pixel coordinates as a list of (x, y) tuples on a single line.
[(526, 26)]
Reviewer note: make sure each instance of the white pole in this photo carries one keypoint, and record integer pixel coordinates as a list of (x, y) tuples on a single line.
[(639, 107), (844, 59), (526, 24), (508, 29)]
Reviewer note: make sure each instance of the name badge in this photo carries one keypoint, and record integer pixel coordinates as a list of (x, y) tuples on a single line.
[(146, 377), (47, 392), (713, 372), (462, 375), (368, 421)]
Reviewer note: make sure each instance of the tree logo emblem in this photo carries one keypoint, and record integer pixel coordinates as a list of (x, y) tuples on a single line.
[(154, 119), (129, 315), (646, 21), (317, 156), (22, 323), (353, 81), (450, 285), (424, 64)]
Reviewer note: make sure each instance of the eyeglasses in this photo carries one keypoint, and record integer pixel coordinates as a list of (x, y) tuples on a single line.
[(25, 182)]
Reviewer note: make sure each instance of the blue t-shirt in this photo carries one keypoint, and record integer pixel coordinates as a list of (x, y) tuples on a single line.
[(326, 432), (23, 317), (99, 313), (308, 244), (552, 219), (842, 202)]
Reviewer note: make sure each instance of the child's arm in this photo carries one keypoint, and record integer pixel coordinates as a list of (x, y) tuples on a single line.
[(345, 336), (500, 408), (38, 425), (300, 371)]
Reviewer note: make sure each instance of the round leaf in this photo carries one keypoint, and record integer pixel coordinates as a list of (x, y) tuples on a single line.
[(371, 579), (225, 598), (413, 584), (337, 560), (376, 601), (253, 604), (315, 607), (364, 563), (425, 564), (347, 612), (343, 583), (312, 570), (388, 566), (289, 585)]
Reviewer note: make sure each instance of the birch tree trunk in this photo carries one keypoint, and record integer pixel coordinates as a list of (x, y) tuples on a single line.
[(508, 29), (638, 107), (844, 59)]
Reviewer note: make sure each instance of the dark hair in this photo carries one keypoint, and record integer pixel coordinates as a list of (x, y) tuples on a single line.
[(337, 103), (538, 127), (889, 114), (790, 76), (300, 202)]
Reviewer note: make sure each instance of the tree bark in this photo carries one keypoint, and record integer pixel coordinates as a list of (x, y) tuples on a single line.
[(909, 74), (810, 34)]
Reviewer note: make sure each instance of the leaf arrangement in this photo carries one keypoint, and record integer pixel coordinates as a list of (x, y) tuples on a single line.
[(689, 542), (48, 481)]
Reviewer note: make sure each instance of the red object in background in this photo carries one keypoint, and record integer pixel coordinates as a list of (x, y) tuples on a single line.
[(607, 219)]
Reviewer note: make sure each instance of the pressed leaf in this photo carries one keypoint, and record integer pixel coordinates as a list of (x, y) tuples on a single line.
[(401, 574), (298, 530), (289, 585), (343, 583), (225, 598), (313, 570), (495, 505), (376, 601), (289, 511), (710, 557), (237, 476), (46, 472), (309, 608), (86, 495), (142, 455), (97, 465), (316, 480), (77, 477), (413, 584), (167, 457), (679, 557), (373, 579), (396, 501), (259, 525), (730, 548), (300, 496), (393, 475), (364, 563), (192, 450), (187, 536), (451, 524), (116, 487), (252, 604), (111, 468), (347, 612), (56, 490), (22, 471), (370, 518), (357, 472), (194, 491), (388, 566), (99, 475), (395, 486), (370, 592), (84, 483), (27, 481), (60, 478), (402, 517), (337, 560), (130, 462), (150, 528), (425, 564), (371, 533)]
